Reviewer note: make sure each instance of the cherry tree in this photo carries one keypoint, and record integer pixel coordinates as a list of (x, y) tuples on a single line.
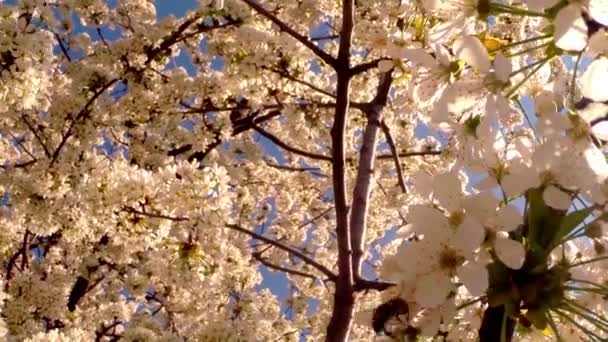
[(413, 170)]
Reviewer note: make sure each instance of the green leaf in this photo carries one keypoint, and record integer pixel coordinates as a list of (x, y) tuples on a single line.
[(538, 318), (543, 221), (568, 224)]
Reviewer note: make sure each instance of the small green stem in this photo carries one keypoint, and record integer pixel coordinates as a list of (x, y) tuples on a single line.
[(573, 81), (585, 289), (553, 326), (531, 65), (587, 282), (586, 312), (525, 41), (530, 49), (582, 328), (521, 107), (534, 70), (580, 263)]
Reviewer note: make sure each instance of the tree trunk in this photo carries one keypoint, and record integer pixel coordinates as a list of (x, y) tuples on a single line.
[(491, 325)]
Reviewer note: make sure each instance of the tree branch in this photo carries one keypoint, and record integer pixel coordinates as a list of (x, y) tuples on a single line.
[(365, 285), (258, 256), (302, 82), (361, 193), (361, 68), (391, 144), (410, 154), (36, 135), (289, 148), (83, 112), (344, 301), (324, 56), (329, 274)]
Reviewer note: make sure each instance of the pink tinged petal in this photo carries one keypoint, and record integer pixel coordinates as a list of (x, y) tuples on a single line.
[(469, 236), (509, 252), (595, 80), (598, 11), (425, 219), (443, 54), (386, 65), (555, 198), (420, 56), (487, 183), (544, 103), (423, 184), (430, 322), (441, 33), (508, 218), (430, 5), (474, 276), (482, 205), (447, 190), (471, 50), (515, 184), (600, 130), (427, 89), (598, 43), (433, 289), (570, 29), (502, 67)]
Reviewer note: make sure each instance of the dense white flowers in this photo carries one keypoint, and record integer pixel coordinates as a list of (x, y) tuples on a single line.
[(156, 171)]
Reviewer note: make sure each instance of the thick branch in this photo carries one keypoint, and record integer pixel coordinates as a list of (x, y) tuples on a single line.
[(393, 147), (491, 325), (324, 56), (344, 301), (361, 193)]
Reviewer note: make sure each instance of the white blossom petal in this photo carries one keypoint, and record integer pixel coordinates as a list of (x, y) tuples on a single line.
[(420, 56), (433, 289), (386, 65), (509, 252), (570, 29), (515, 184), (508, 218), (447, 190), (595, 80), (469, 236), (600, 130), (555, 198), (471, 50), (502, 67), (475, 277), (598, 11)]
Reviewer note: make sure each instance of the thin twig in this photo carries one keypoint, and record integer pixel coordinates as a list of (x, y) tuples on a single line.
[(391, 144), (330, 275), (324, 56), (286, 147), (257, 256), (38, 138)]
